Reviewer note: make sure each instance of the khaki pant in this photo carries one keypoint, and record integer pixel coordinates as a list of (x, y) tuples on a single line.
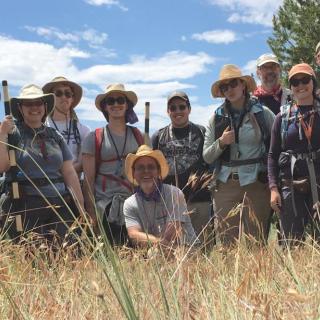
[(251, 210), (200, 217)]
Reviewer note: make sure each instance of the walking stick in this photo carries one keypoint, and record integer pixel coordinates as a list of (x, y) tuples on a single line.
[(147, 140), (12, 174)]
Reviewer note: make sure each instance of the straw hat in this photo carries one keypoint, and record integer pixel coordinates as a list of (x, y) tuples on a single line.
[(117, 87), (32, 92), (301, 68), (76, 89), (228, 72), (146, 151)]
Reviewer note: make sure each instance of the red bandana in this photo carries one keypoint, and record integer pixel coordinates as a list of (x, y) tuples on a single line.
[(275, 92)]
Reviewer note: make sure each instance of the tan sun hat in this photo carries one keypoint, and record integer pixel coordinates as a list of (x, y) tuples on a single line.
[(32, 92), (228, 72), (116, 87), (146, 151), (266, 58), (76, 89)]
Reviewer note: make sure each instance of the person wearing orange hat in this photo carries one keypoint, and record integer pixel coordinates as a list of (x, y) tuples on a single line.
[(237, 141), (104, 151), (64, 119), (157, 212), (294, 157)]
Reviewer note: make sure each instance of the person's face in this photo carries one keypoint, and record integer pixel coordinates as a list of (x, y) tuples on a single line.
[(233, 89), (317, 58), (64, 98), (116, 105), (269, 74), (146, 172), (178, 111), (32, 111), (301, 86)]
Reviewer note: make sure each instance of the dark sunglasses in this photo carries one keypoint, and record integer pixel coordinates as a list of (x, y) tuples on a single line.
[(28, 103), (180, 107), (296, 81), (111, 101), (66, 93), (143, 168), (225, 86)]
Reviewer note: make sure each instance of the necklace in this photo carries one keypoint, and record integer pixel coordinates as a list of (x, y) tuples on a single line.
[(119, 166)]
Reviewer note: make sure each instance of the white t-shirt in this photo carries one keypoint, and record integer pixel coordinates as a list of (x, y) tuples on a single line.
[(66, 129)]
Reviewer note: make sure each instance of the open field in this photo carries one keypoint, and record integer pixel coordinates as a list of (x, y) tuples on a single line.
[(267, 283)]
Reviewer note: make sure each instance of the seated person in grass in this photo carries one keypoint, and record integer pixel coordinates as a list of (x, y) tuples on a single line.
[(156, 213)]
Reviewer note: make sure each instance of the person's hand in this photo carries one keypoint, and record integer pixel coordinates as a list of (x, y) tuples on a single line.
[(7, 125), (227, 138), (275, 200)]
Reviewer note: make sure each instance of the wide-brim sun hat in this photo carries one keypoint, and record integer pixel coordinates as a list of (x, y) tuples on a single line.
[(116, 88), (146, 151), (76, 89), (301, 68), (32, 92), (229, 72)]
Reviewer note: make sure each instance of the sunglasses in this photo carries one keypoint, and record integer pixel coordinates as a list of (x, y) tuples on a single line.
[(180, 107), (66, 93), (28, 103), (296, 81), (225, 86), (143, 168), (111, 101)]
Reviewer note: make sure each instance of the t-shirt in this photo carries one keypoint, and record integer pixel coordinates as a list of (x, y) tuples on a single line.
[(46, 150), (106, 189), (152, 216), (66, 128), (182, 148)]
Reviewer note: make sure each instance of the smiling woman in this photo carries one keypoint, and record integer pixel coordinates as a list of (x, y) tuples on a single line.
[(45, 170)]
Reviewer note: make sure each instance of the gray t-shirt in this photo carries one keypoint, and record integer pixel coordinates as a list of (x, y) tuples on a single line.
[(152, 216), (106, 188), (46, 150)]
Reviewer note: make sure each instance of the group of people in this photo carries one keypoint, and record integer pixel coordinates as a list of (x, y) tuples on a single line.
[(260, 150)]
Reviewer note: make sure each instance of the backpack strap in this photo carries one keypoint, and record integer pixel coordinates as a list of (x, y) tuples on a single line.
[(137, 135), (99, 135), (285, 115)]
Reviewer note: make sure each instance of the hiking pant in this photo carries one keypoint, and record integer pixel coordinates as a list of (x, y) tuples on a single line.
[(37, 217), (200, 215), (293, 225), (231, 215)]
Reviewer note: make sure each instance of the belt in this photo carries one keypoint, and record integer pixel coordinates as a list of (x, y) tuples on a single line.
[(234, 176)]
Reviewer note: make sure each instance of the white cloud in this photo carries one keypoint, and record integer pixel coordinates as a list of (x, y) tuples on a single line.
[(90, 35), (249, 11), (151, 78), (216, 36), (108, 3)]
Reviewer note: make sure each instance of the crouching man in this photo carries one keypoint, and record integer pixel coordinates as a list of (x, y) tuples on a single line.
[(156, 213)]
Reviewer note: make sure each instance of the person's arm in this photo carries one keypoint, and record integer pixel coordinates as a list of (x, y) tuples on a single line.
[(6, 127), (213, 148), (72, 181), (155, 140), (273, 167), (84, 132), (140, 238)]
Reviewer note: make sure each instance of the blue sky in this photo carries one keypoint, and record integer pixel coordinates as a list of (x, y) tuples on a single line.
[(153, 47)]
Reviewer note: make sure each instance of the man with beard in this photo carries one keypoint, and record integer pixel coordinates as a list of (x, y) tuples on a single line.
[(181, 142), (270, 93)]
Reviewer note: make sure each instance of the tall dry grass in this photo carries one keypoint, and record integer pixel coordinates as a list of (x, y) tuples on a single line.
[(239, 283)]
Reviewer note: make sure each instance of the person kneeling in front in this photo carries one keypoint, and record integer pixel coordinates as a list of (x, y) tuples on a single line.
[(156, 213)]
